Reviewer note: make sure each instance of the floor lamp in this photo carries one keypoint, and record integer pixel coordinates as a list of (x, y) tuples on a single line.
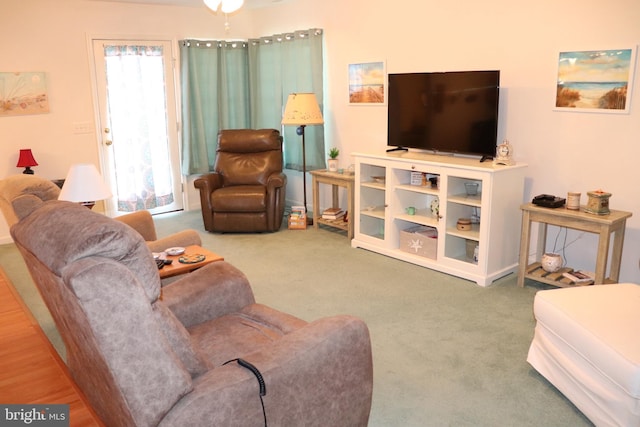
[(302, 109)]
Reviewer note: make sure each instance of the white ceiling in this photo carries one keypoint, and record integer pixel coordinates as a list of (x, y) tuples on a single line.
[(199, 3)]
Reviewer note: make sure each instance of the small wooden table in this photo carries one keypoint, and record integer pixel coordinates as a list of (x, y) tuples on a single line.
[(336, 180), (603, 225), (176, 267)]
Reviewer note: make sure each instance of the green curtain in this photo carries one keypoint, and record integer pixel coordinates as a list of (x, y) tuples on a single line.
[(215, 95), (265, 85), (234, 85), (289, 63)]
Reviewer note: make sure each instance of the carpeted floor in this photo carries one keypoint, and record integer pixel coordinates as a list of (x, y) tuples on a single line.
[(446, 351)]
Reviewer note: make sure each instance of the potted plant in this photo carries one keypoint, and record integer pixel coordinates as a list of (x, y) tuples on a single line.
[(333, 159)]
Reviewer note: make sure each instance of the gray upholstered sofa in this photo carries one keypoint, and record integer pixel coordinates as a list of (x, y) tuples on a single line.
[(147, 360)]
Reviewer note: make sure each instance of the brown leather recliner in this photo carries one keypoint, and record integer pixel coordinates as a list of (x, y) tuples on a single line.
[(246, 191)]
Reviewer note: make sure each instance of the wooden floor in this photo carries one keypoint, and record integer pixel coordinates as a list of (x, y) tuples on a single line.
[(31, 371)]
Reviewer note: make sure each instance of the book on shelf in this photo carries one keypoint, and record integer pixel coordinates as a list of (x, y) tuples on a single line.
[(332, 210), (298, 211), (332, 217), (579, 276), (332, 213)]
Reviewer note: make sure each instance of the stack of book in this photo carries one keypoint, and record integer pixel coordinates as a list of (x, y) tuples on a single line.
[(298, 218), (332, 213)]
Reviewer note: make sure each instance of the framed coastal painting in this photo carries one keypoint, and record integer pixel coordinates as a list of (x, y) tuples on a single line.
[(595, 80), (367, 83), (23, 93)]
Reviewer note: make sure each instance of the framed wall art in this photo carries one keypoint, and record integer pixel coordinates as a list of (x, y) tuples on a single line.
[(367, 83), (23, 93), (595, 80)]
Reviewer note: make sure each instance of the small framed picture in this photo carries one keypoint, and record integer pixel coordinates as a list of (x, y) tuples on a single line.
[(367, 83), (595, 80)]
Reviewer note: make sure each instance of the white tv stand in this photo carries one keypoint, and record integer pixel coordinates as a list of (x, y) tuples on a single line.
[(381, 211)]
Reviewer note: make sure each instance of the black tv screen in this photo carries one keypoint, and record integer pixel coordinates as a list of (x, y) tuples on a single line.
[(450, 112)]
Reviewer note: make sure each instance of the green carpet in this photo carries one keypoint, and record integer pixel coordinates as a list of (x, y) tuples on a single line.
[(446, 351)]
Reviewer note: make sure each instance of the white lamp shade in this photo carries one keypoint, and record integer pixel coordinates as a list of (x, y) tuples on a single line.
[(302, 109), (228, 6), (84, 184)]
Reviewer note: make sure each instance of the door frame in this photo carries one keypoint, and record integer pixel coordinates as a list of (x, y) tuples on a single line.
[(110, 209)]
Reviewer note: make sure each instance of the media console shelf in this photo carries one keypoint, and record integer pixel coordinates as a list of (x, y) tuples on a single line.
[(384, 190)]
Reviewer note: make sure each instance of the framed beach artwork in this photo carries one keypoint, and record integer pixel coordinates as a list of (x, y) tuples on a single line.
[(367, 83), (595, 80), (23, 93)]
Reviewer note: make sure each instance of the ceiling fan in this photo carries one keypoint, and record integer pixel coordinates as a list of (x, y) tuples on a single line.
[(198, 3), (226, 6)]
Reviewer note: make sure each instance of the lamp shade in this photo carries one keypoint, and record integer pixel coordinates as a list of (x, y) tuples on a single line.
[(26, 160), (302, 109), (84, 184)]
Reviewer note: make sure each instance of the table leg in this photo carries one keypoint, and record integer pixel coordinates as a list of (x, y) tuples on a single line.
[(525, 238), (616, 255), (350, 210), (541, 244), (315, 187), (603, 253), (334, 198)]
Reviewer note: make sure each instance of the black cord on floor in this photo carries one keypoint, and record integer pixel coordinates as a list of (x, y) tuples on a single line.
[(261, 384)]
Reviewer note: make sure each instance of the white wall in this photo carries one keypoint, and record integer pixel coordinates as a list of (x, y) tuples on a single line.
[(52, 36), (565, 151)]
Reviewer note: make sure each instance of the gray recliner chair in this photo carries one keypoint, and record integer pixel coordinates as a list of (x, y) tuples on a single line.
[(28, 191), (146, 360)]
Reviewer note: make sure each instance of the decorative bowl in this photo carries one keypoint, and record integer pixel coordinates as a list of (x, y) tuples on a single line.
[(551, 262)]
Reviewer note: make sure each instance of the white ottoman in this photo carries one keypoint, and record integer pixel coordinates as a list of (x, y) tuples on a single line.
[(587, 344)]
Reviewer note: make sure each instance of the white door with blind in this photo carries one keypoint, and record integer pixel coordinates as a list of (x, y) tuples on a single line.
[(138, 124)]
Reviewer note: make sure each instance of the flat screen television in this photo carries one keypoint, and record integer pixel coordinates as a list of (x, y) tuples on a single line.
[(444, 112)]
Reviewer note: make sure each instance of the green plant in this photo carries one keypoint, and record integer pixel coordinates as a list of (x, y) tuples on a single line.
[(334, 153)]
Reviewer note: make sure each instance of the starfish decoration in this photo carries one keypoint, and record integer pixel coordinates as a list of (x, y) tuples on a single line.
[(416, 245)]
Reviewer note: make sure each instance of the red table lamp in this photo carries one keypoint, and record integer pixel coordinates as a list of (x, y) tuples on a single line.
[(26, 160)]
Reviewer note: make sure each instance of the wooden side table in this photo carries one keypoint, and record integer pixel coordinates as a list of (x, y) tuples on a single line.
[(336, 180), (176, 267), (603, 225)]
